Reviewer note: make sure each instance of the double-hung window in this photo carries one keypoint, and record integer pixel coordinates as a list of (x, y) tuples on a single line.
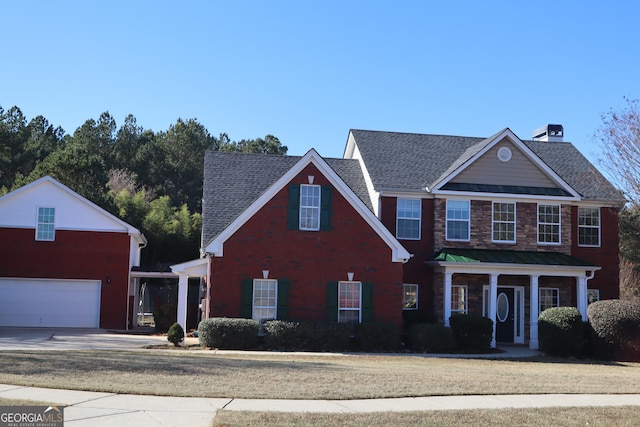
[(459, 299), (549, 224), (409, 296), (349, 302), (588, 226), (265, 297), (310, 207), (548, 297), (504, 222), (45, 229), (408, 219), (458, 224)]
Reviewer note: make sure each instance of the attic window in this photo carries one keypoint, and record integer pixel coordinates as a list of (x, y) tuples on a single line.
[(45, 228), (504, 154)]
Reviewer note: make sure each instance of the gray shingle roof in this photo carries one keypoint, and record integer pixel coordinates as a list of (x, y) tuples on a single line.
[(413, 161), (233, 181)]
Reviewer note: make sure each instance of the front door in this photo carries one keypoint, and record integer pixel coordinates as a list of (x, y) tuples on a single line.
[(505, 315)]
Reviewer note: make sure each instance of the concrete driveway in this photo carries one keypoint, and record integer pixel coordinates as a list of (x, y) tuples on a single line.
[(73, 339)]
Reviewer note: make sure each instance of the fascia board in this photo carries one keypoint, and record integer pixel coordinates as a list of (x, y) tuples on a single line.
[(507, 133), (399, 253), (520, 269)]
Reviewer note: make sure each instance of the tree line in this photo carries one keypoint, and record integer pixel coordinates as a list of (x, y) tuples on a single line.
[(151, 180)]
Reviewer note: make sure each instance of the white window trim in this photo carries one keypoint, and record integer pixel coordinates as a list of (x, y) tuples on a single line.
[(599, 227), (38, 224), (556, 290), (559, 242), (318, 208), (446, 215), (493, 222), (419, 219), (253, 299), (359, 309), (466, 300), (414, 287)]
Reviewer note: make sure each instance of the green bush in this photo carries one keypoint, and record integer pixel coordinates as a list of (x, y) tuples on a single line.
[(307, 335), (165, 316), (615, 327), (561, 332), (175, 334), (431, 338), (377, 336), (471, 333), (226, 333)]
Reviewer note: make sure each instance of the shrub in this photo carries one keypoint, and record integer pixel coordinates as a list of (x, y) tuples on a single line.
[(225, 333), (471, 332), (431, 338), (307, 335), (412, 317), (560, 332), (165, 316), (615, 326), (377, 336), (175, 334)]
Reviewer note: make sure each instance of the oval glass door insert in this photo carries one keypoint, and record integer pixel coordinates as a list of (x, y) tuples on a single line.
[(503, 307)]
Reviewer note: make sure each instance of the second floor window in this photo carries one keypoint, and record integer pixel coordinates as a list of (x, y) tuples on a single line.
[(309, 207), (45, 229), (504, 222), (549, 224), (408, 219), (589, 226), (458, 226)]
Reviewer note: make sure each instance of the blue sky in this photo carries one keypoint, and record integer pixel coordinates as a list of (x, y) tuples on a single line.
[(308, 71)]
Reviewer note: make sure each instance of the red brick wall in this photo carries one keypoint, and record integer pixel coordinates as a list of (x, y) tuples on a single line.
[(308, 259), (73, 255), (607, 255)]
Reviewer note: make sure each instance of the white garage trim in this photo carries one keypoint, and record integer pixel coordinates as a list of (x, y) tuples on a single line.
[(49, 303)]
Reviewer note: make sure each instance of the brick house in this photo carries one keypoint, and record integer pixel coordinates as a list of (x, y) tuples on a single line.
[(411, 223), (498, 226), (64, 261), (295, 238)]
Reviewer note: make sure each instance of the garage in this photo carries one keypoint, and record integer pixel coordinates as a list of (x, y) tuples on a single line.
[(49, 303)]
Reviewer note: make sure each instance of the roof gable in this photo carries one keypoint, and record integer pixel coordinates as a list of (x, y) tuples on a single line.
[(73, 212), (265, 193), (501, 159)]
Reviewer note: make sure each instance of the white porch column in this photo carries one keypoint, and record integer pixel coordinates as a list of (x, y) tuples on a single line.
[(447, 297), (533, 310), (183, 287), (493, 298), (581, 295)]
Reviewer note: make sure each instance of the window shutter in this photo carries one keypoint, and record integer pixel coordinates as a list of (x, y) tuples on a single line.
[(283, 299), (325, 207), (332, 301), (367, 302), (246, 299), (293, 220)]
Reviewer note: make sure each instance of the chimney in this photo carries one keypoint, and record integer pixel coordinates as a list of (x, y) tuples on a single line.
[(548, 133)]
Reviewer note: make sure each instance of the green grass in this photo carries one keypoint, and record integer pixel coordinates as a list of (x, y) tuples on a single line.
[(298, 376)]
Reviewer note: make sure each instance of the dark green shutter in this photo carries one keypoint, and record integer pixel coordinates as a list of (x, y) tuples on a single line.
[(293, 220), (332, 301), (246, 299), (325, 207), (283, 299), (367, 302)]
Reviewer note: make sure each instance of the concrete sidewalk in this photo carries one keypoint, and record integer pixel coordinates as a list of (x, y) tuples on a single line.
[(108, 409)]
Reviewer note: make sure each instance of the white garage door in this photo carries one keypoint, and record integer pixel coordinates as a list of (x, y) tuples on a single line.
[(50, 303)]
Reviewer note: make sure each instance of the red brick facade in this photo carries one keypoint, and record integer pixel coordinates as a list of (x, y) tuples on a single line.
[(73, 255), (307, 259)]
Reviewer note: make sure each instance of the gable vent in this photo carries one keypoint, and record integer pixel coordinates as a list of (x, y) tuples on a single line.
[(549, 133)]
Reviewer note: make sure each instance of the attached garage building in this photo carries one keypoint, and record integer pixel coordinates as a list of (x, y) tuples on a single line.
[(64, 261)]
